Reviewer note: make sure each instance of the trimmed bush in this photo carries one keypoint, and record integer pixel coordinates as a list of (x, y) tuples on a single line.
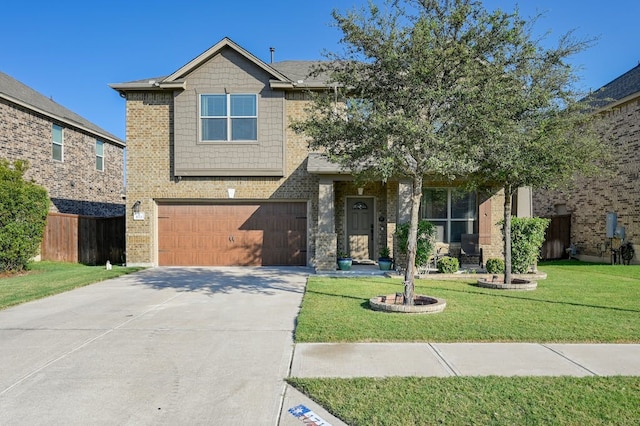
[(448, 265), (426, 230), (527, 237), (23, 215), (495, 266)]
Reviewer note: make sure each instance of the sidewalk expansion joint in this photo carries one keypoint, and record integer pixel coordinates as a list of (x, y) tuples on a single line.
[(577, 364), (451, 370)]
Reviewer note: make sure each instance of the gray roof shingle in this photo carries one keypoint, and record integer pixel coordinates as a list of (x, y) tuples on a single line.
[(13, 90), (621, 87)]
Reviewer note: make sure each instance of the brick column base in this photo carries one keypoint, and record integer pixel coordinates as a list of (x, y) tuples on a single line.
[(326, 251)]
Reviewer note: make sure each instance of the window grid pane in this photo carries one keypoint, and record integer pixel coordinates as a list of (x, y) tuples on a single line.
[(228, 117), (452, 211), (213, 105), (99, 155), (214, 129), (56, 142)]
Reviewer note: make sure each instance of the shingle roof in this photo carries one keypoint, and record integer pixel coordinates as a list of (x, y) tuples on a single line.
[(625, 85), (17, 92), (299, 71)]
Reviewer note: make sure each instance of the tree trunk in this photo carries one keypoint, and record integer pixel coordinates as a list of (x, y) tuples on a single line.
[(507, 233), (412, 243)]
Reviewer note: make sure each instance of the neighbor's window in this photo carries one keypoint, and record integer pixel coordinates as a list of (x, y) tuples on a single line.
[(229, 117), (56, 142), (452, 211), (99, 155)]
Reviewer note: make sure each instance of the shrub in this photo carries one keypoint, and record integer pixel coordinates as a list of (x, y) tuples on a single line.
[(426, 230), (23, 214), (527, 237), (448, 265), (495, 266)]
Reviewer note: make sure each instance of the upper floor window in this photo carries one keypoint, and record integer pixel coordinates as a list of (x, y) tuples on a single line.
[(229, 117), (453, 211), (99, 155), (56, 142)]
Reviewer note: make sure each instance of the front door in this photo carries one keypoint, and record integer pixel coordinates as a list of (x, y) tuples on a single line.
[(360, 228)]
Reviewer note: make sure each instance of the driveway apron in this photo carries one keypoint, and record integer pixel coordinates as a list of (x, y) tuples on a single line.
[(162, 346)]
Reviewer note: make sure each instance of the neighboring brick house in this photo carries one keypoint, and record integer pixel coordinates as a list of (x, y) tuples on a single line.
[(215, 175), (590, 200), (80, 164)]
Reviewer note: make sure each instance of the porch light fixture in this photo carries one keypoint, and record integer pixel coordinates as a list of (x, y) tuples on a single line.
[(231, 192), (360, 191)]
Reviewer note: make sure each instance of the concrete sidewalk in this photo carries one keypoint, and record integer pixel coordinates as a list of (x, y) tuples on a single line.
[(450, 359), (464, 359)]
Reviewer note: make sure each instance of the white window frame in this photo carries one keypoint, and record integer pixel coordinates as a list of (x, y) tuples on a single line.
[(228, 117), (58, 143), (449, 219), (99, 156)]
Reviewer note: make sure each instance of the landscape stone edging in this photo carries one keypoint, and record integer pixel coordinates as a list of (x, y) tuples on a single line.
[(377, 304)]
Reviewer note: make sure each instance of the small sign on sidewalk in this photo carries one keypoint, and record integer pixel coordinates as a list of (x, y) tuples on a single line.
[(307, 416)]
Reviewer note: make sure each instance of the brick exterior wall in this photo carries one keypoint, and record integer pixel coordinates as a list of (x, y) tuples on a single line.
[(74, 185), (150, 178), (590, 199)]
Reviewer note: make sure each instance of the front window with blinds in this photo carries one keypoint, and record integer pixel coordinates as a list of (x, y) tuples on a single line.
[(99, 155), (57, 136), (453, 211), (228, 117)]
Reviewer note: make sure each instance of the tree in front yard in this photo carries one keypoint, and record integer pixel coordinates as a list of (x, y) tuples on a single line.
[(411, 91), (23, 214), (538, 133)]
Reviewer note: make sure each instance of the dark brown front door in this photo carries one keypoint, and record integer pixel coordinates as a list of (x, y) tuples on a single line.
[(360, 228), (232, 235)]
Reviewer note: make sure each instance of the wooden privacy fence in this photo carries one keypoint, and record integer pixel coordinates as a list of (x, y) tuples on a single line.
[(84, 239), (557, 238)]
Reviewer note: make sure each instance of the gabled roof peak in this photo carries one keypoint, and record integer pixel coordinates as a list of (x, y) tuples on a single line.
[(226, 42)]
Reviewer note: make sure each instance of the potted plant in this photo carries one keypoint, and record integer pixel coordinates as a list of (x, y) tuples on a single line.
[(344, 262), (385, 261)]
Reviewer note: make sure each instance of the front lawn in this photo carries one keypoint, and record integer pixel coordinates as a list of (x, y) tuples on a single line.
[(578, 302), (478, 400), (48, 278)]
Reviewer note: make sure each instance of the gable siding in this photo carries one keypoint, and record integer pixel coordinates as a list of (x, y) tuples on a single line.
[(74, 185), (229, 72)]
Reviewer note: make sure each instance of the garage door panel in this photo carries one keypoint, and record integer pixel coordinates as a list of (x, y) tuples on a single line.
[(227, 235)]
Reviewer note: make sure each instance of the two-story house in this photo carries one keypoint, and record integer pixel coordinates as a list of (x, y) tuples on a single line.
[(586, 211), (215, 175), (80, 164)]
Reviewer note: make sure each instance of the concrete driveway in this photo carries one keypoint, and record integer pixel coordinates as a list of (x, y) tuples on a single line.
[(164, 346)]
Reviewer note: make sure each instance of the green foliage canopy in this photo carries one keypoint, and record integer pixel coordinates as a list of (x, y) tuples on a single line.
[(23, 213)]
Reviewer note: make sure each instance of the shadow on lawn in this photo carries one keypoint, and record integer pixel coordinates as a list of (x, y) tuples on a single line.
[(500, 293)]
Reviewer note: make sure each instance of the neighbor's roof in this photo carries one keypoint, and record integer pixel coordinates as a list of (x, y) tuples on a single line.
[(20, 94), (619, 90), (284, 75)]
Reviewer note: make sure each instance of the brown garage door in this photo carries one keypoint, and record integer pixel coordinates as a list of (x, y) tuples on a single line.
[(232, 235)]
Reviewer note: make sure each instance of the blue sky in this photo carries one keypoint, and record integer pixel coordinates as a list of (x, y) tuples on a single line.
[(71, 50)]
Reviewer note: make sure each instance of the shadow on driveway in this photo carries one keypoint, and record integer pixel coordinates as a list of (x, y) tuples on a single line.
[(224, 280)]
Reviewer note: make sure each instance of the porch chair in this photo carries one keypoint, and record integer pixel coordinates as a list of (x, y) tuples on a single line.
[(470, 250)]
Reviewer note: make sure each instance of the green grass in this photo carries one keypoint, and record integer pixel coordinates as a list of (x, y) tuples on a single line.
[(578, 302), (479, 400), (48, 278)]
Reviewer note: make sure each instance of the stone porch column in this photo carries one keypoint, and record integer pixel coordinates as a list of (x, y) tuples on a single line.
[(326, 239), (404, 201)]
